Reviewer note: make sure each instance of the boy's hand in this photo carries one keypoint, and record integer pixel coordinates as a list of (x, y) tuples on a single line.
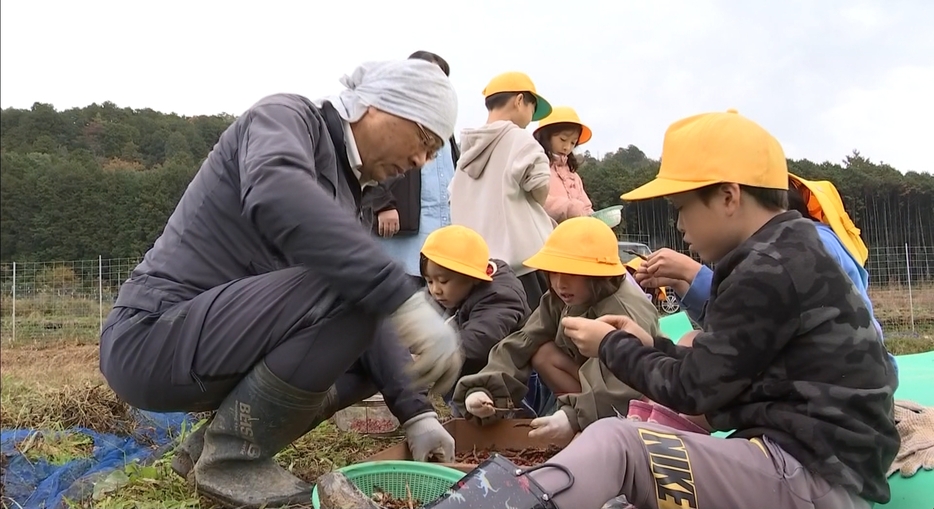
[(555, 427), (586, 333), (388, 222), (666, 267), (479, 404), (627, 324)]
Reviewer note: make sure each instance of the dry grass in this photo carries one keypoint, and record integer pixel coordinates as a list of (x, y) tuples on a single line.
[(58, 388), (894, 306)]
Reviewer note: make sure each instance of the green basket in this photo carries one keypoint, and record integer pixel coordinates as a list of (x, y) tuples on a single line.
[(426, 482), (612, 216)]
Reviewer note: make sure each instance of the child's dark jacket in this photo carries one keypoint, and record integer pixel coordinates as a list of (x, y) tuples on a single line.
[(789, 351), (492, 311)]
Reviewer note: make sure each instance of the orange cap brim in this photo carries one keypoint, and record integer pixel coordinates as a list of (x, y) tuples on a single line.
[(460, 267), (564, 265)]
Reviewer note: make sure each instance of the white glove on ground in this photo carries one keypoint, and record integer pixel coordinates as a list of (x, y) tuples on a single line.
[(433, 343), (915, 425), (426, 437), (479, 404), (555, 427)]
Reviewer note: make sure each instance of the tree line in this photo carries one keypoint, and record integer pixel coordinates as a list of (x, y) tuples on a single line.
[(102, 180)]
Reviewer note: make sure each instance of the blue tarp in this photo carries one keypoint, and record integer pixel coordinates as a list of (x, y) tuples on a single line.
[(40, 485)]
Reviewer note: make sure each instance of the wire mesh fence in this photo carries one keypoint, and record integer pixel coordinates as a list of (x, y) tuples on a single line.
[(68, 301)]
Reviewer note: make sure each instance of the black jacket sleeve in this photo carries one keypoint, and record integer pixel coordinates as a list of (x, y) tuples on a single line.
[(492, 318), (755, 321), (380, 197), (385, 363)]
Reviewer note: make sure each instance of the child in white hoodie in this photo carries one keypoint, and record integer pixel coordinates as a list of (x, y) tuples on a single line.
[(502, 179)]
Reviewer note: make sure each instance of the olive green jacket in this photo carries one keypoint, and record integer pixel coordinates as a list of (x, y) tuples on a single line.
[(509, 365)]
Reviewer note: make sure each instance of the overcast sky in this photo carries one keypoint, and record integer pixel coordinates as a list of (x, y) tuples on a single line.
[(825, 77)]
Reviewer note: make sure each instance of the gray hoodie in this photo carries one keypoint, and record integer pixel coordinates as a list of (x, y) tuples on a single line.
[(499, 191)]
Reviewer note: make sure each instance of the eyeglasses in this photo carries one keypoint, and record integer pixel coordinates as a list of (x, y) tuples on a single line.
[(431, 143)]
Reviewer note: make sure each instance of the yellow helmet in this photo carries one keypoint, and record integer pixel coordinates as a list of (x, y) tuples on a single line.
[(459, 249), (582, 246), (566, 115)]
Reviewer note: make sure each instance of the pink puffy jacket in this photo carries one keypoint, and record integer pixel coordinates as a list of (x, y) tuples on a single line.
[(566, 196)]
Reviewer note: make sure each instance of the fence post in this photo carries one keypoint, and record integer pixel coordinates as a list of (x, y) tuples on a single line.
[(911, 304), (100, 292), (13, 340)]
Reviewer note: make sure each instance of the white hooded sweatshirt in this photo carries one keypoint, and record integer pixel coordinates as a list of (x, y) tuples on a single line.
[(499, 190)]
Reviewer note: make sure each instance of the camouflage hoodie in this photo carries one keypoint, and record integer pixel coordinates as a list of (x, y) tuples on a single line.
[(788, 351)]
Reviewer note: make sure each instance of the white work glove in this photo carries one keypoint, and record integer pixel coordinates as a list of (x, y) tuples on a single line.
[(426, 437), (433, 343), (479, 404), (555, 427), (915, 424)]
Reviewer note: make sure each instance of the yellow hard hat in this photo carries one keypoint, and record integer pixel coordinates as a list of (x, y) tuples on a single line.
[(566, 115), (459, 249), (582, 246), (518, 82)]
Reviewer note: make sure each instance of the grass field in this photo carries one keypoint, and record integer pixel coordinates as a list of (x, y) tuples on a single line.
[(53, 383)]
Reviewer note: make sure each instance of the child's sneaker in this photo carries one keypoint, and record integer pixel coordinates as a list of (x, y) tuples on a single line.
[(639, 410)]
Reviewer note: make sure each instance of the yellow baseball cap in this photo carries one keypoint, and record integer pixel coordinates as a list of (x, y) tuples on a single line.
[(824, 204), (518, 82), (566, 115), (459, 249), (716, 148), (582, 246)]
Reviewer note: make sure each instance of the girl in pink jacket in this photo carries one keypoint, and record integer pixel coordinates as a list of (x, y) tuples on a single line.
[(559, 134)]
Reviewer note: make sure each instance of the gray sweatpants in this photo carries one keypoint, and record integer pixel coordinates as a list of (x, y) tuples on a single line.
[(657, 467)]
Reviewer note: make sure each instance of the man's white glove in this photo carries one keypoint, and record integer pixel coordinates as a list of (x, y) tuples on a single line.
[(555, 427), (433, 343), (426, 437), (479, 404)]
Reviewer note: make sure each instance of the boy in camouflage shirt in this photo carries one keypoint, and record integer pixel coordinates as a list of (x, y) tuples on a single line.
[(789, 360)]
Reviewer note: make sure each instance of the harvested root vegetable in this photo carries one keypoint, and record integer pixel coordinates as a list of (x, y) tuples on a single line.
[(524, 458)]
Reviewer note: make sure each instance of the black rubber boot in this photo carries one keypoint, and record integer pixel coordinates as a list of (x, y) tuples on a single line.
[(260, 417), (498, 482), (188, 452)]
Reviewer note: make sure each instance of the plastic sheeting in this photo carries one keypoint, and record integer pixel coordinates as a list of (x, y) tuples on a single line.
[(41, 485)]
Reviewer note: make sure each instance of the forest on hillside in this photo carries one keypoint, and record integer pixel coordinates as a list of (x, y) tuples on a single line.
[(102, 180)]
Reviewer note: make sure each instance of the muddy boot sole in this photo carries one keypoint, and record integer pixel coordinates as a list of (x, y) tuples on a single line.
[(252, 487)]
